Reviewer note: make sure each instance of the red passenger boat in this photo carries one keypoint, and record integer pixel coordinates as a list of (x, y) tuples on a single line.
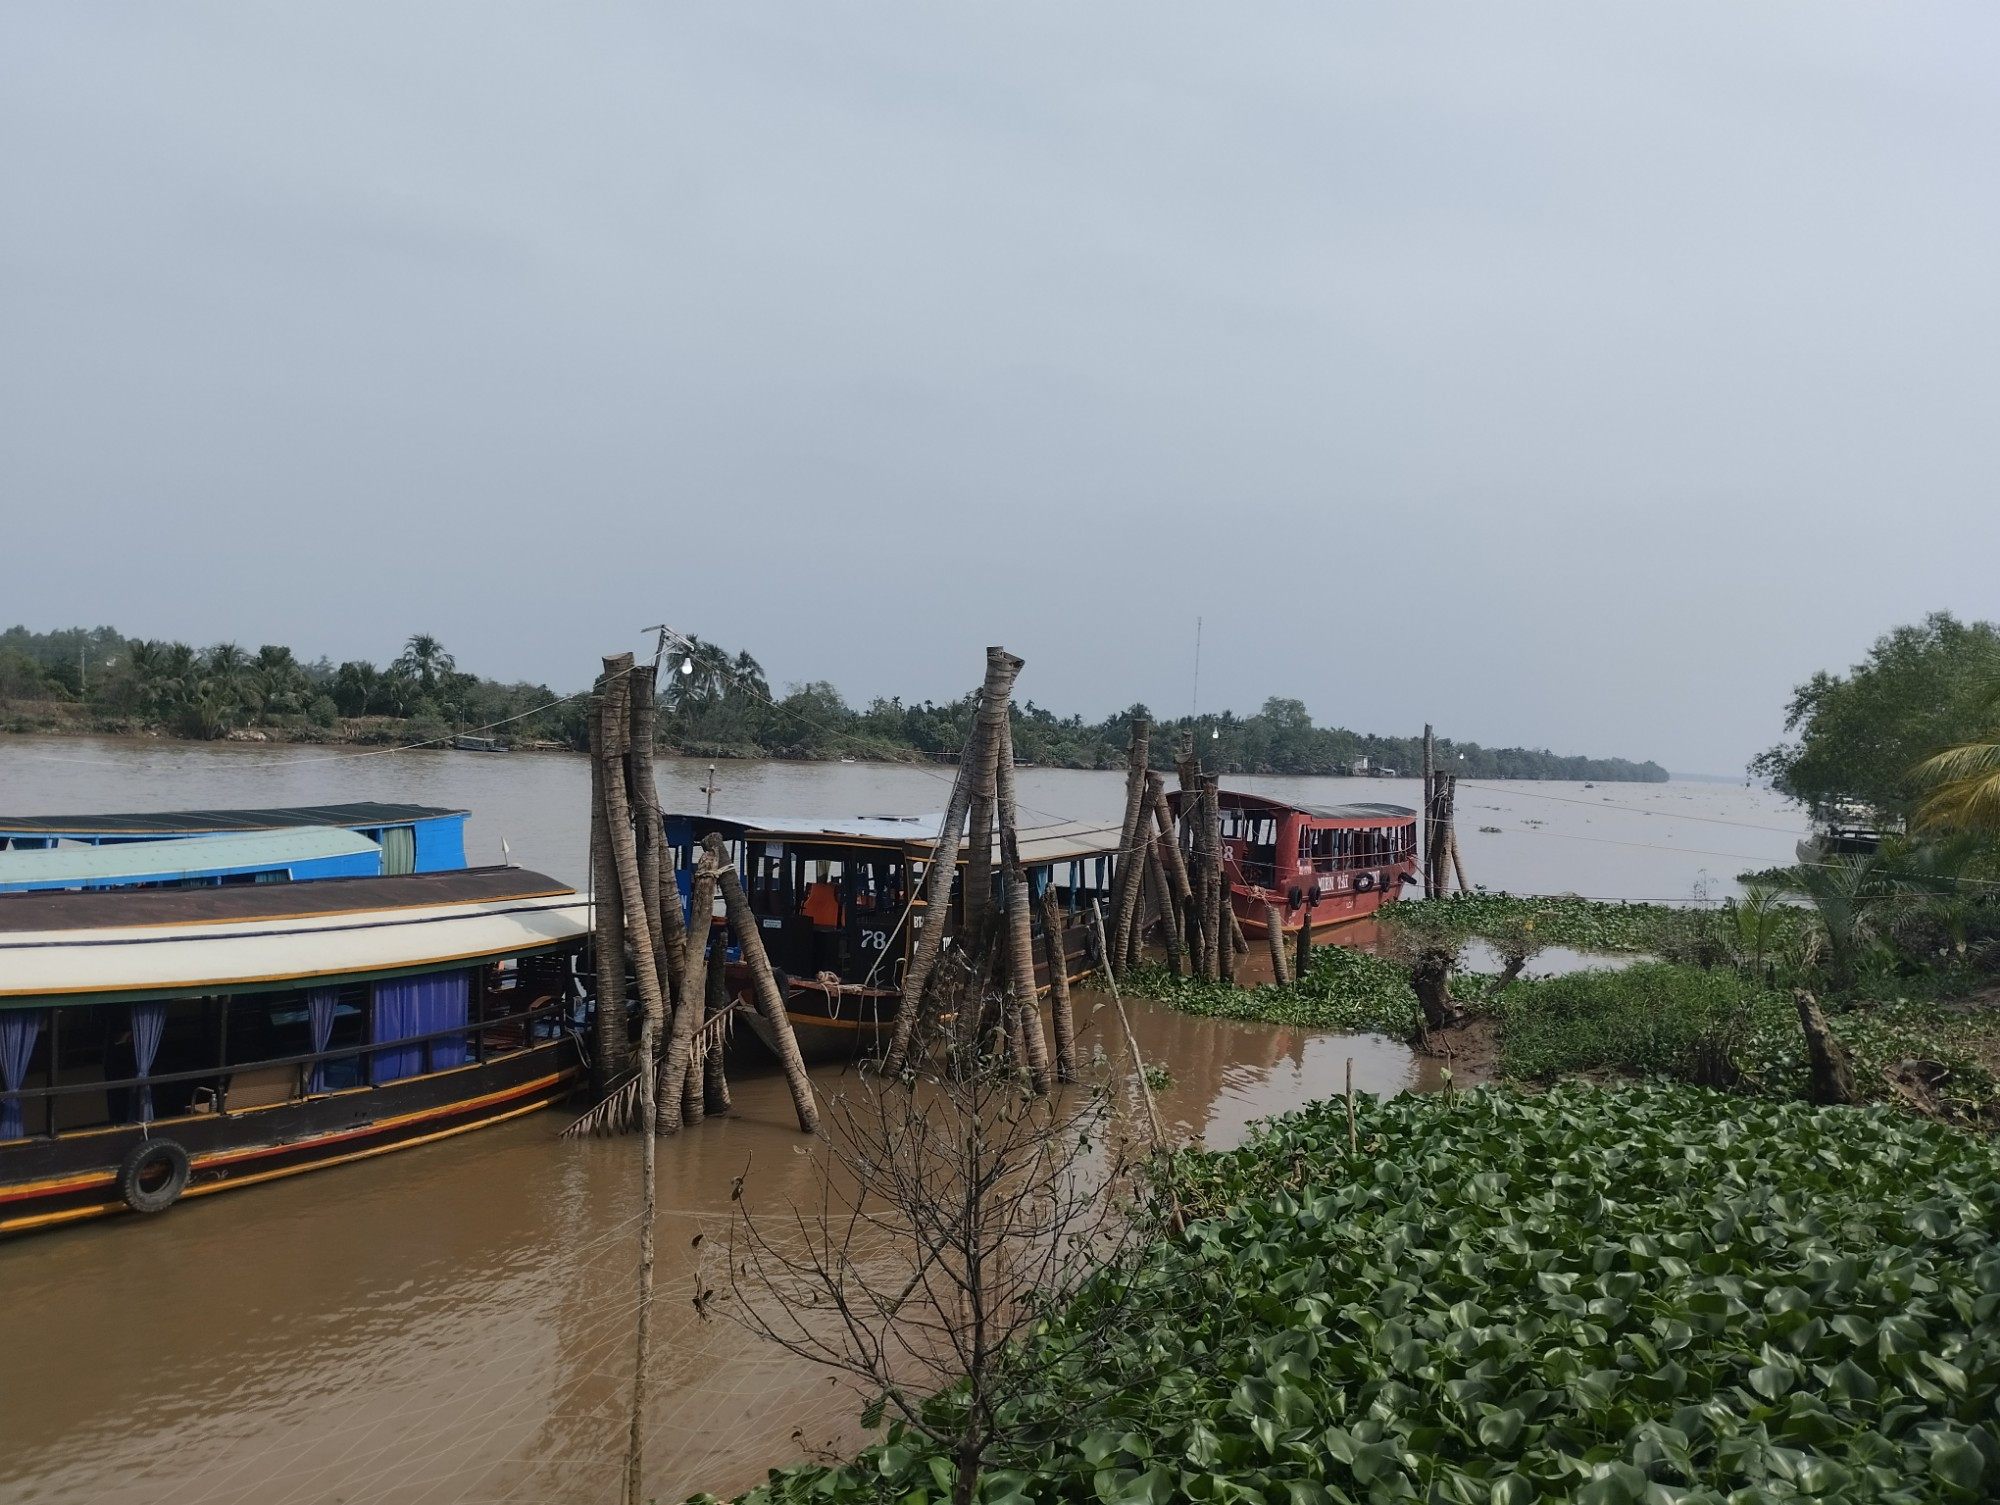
[(1322, 865)]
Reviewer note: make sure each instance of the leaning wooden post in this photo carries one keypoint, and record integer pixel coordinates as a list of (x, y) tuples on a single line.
[(1020, 923), (1131, 1040), (670, 931), (1131, 863), (1162, 896), (678, 1065), (611, 1035), (1058, 960), (1274, 932), (770, 1002), (1169, 843)]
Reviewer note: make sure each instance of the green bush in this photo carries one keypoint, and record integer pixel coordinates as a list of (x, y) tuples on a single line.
[(1649, 1018)]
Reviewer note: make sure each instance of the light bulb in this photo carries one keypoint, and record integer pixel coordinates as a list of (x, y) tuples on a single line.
[(687, 666)]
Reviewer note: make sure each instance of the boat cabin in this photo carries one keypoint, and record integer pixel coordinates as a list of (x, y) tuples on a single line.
[(287, 856), (412, 838), (1321, 865), (163, 1042), (840, 904)]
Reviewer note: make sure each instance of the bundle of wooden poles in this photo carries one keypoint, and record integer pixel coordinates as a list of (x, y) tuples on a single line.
[(986, 984), (674, 1075)]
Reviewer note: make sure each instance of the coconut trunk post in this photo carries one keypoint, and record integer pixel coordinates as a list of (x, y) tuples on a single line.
[(1161, 893), (995, 700), (1060, 1017), (1168, 843), (1274, 932), (670, 931), (1019, 919), (1001, 668), (770, 1002), (614, 719), (674, 1070), (1125, 886), (1430, 772), (1225, 912), (610, 1037), (1302, 967)]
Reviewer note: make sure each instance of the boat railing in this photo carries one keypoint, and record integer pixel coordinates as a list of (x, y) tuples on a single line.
[(473, 1031)]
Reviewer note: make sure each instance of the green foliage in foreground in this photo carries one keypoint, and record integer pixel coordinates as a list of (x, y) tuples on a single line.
[(1646, 1295)]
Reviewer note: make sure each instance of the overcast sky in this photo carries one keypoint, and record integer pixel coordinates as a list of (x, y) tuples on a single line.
[(1576, 375)]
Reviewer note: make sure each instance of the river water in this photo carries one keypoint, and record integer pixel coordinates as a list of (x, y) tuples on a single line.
[(453, 1324)]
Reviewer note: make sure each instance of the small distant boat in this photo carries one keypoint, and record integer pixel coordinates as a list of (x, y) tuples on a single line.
[(1850, 829), (1323, 866), (478, 744), (847, 757)]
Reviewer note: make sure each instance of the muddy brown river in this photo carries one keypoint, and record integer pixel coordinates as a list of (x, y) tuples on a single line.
[(454, 1323)]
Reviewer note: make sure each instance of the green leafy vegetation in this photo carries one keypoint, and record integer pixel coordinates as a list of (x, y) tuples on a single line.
[(1344, 990), (1650, 1018), (1659, 1294)]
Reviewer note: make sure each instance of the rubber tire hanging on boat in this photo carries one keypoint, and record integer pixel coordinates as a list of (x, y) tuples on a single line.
[(1364, 883), (150, 1155)]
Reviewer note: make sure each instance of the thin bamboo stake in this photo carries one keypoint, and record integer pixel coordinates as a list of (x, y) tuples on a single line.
[(1274, 933), (1353, 1140), (770, 1002), (675, 1069), (714, 1057), (1058, 961), (1131, 1040)]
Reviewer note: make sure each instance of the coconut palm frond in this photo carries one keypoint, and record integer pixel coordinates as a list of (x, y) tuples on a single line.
[(617, 1114)]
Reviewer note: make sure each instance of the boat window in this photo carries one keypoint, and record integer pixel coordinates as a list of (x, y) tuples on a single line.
[(399, 850)]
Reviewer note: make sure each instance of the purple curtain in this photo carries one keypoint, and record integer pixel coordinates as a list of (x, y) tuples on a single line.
[(149, 1021), (18, 1030), (416, 1006), (320, 1006)]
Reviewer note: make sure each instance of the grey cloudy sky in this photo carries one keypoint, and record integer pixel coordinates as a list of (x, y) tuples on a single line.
[(1579, 374)]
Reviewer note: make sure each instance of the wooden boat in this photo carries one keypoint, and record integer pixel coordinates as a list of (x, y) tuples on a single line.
[(1323, 866), (839, 905), (160, 1043), (478, 744), (413, 838)]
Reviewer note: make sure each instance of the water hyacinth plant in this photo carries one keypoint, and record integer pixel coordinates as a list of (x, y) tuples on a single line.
[(1651, 1295)]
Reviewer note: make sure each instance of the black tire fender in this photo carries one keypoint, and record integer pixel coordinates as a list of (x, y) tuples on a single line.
[(139, 1174), (1364, 883)]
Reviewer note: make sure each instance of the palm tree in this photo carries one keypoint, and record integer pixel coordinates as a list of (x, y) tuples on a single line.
[(424, 660), (1964, 782)]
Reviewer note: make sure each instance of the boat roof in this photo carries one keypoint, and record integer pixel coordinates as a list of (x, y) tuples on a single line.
[(1047, 840), (179, 857), (1243, 800), (198, 822), (112, 944)]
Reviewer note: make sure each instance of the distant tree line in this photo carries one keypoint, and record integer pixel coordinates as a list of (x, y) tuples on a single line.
[(713, 703), (133, 684)]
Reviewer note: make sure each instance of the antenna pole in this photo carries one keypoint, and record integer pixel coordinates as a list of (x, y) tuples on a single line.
[(1194, 706)]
